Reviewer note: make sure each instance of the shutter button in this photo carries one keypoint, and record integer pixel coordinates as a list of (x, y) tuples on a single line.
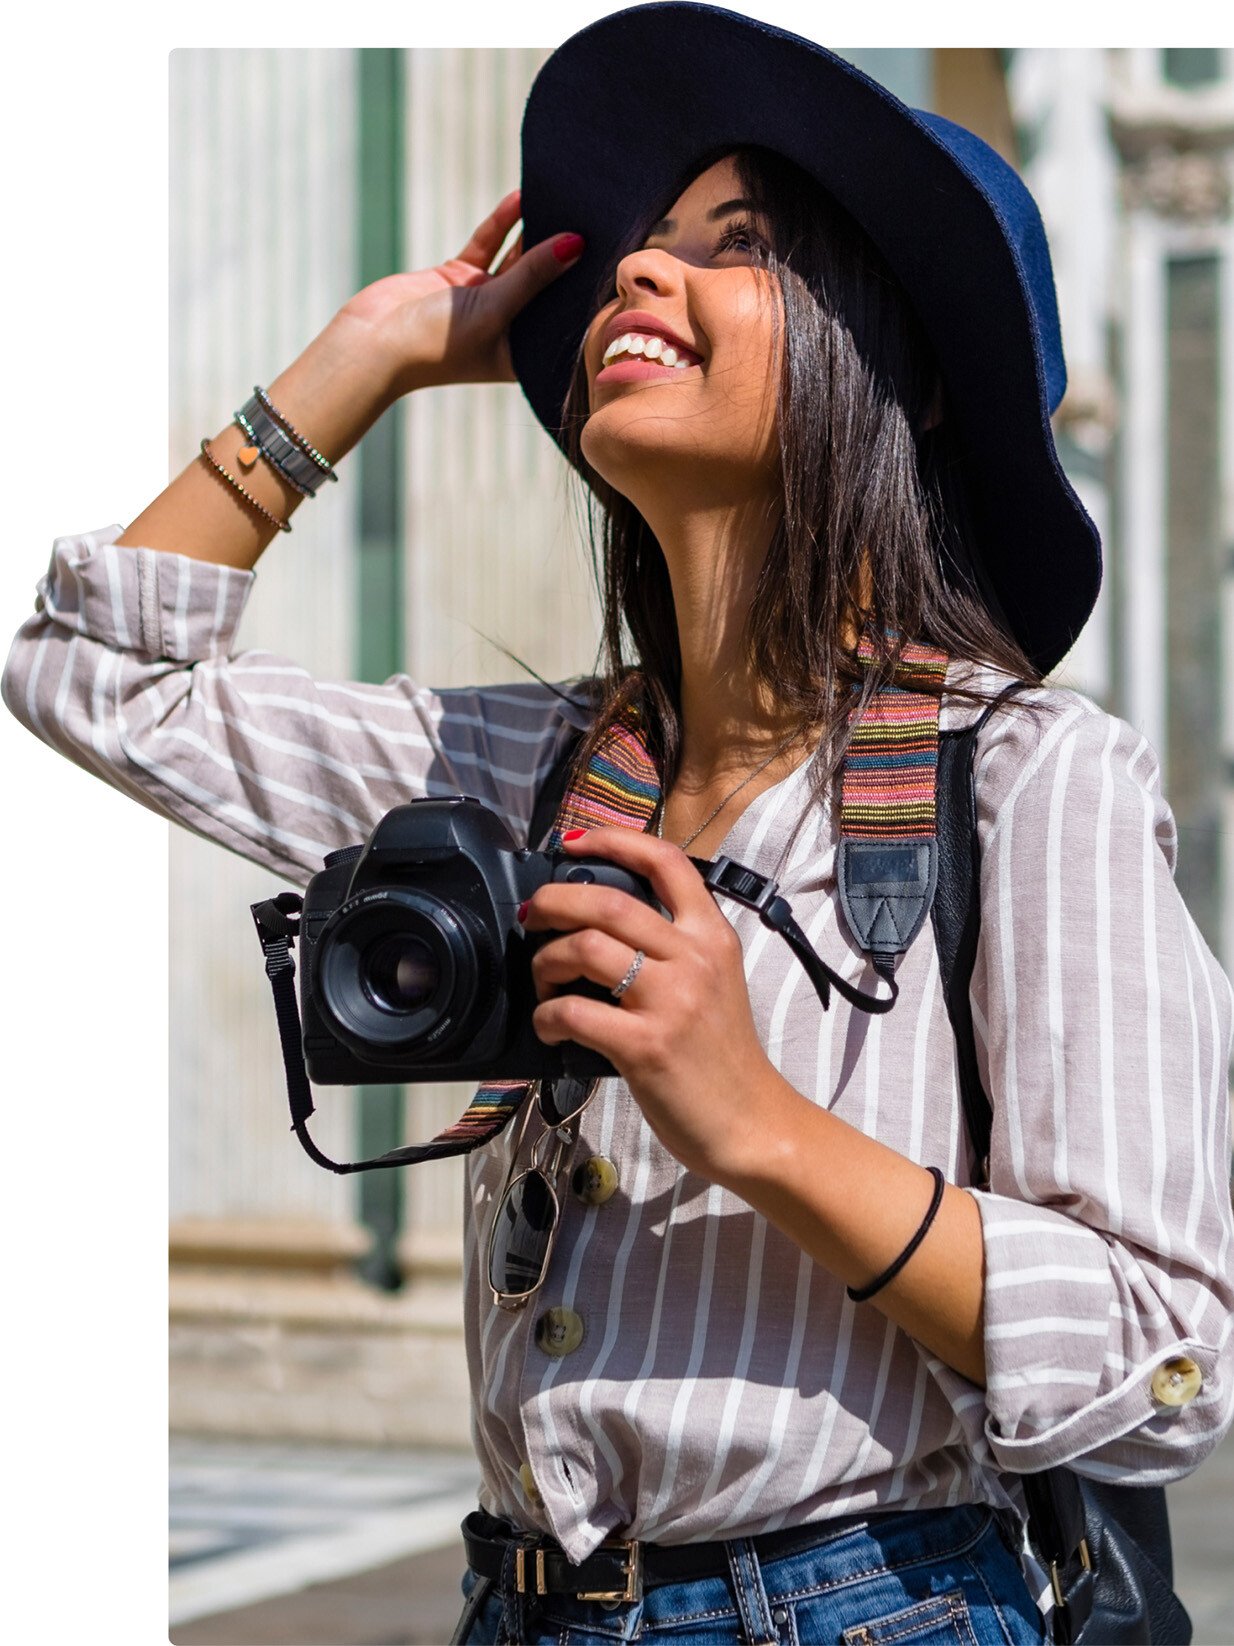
[(1177, 1382)]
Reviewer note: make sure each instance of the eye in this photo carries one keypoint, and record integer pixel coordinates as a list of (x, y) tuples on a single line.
[(737, 230)]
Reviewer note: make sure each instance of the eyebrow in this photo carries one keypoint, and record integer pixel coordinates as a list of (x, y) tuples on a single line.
[(667, 224)]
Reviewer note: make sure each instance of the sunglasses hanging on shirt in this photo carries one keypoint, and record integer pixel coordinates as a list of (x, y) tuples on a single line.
[(524, 1225)]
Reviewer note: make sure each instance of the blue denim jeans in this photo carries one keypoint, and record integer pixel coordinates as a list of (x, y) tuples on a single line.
[(931, 1577)]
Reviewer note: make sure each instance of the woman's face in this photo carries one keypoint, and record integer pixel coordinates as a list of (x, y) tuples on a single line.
[(707, 426)]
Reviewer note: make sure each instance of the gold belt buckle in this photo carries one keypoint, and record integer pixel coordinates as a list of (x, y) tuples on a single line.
[(520, 1571), (633, 1573)]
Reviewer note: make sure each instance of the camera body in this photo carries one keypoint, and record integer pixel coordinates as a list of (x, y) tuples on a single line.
[(413, 964)]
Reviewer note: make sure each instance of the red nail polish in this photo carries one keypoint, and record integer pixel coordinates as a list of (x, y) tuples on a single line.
[(573, 834), (522, 912), (567, 247)]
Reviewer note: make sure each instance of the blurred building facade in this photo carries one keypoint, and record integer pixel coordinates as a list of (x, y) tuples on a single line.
[(308, 1304)]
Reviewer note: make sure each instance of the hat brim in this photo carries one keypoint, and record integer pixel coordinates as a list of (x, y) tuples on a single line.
[(619, 110)]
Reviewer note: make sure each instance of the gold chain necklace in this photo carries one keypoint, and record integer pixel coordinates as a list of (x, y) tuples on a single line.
[(761, 768)]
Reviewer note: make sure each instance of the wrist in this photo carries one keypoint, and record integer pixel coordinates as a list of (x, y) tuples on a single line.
[(389, 343), (338, 387), (757, 1155)]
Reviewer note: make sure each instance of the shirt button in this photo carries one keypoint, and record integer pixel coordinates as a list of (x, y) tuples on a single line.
[(559, 1331), (595, 1181), (1177, 1381), (528, 1482)]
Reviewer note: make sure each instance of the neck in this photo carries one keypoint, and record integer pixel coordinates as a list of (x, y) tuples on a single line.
[(730, 720), (714, 536)]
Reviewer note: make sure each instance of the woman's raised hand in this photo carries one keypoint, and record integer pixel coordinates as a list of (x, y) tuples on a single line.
[(449, 324), (407, 331)]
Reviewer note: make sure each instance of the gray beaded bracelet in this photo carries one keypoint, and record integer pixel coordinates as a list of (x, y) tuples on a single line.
[(309, 451), (301, 472)]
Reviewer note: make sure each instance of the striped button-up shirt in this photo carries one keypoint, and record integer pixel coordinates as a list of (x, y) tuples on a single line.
[(724, 1384)]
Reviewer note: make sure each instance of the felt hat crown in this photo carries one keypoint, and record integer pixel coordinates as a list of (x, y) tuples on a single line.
[(601, 144)]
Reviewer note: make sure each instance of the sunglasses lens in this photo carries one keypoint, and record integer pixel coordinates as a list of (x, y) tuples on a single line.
[(562, 1097), (519, 1246)]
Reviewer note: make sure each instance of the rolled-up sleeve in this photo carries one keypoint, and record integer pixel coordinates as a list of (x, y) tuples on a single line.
[(1104, 1027), (128, 668)]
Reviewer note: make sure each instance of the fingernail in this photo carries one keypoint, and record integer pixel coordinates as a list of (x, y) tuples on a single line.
[(567, 247), (573, 834), (522, 912)]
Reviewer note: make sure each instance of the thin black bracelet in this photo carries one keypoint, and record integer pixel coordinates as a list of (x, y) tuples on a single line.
[(889, 1274)]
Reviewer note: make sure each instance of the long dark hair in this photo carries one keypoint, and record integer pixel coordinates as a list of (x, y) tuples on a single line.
[(857, 380)]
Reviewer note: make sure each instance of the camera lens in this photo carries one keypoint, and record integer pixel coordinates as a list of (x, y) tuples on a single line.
[(399, 972)]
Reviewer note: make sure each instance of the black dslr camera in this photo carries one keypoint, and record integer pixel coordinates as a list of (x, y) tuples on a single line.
[(413, 963)]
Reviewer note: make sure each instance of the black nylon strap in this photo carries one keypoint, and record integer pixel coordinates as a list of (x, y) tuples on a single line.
[(759, 892), (277, 922)]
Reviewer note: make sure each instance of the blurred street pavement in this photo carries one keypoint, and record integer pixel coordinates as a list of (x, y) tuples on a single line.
[(297, 1544), (285, 1544)]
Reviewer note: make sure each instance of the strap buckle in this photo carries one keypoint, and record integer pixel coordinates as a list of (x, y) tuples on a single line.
[(633, 1573), (1086, 1561), (735, 880)]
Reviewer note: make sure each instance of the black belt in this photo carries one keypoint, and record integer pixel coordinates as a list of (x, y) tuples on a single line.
[(620, 1571)]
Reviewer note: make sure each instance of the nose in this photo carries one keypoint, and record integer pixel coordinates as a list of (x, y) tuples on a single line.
[(650, 268)]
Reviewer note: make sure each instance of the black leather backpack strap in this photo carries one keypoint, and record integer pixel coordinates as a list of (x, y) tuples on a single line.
[(956, 911)]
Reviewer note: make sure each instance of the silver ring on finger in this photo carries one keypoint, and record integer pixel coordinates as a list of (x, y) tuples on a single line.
[(629, 977)]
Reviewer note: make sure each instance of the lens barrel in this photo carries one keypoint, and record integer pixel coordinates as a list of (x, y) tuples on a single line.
[(398, 969)]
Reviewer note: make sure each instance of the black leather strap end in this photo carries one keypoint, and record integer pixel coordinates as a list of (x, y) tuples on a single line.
[(886, 889)]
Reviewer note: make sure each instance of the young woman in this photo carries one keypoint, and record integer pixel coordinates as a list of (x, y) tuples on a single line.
[(808, 451)]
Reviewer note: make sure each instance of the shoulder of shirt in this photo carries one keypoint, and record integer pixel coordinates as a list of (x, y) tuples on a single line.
[(571, 700), (1050, 723), (520, 702)]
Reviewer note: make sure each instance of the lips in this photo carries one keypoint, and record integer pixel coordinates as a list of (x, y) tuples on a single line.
[(639, 320), (633, 368)]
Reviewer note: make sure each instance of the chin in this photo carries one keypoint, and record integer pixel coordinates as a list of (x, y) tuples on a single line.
[(618, 435)]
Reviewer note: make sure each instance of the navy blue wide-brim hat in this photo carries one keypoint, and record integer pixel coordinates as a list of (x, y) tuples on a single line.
[(620, 111)]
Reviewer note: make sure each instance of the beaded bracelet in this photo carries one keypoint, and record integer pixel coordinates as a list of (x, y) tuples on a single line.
[(231, 480), (310, 451), (890, 1273)]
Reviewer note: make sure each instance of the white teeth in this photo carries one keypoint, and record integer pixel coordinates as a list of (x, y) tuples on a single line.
[(651, 348)]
